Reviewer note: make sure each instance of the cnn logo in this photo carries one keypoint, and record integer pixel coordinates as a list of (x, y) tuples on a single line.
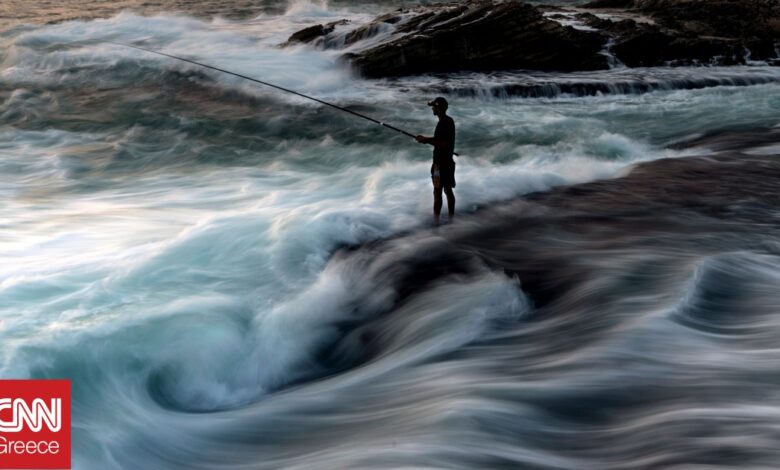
[(35, 417), (35, 424)]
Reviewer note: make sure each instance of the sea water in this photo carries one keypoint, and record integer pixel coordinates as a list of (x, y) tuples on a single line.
[(167, 234)]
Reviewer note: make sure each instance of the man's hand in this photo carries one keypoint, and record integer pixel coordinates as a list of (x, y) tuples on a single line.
[(422, 139)]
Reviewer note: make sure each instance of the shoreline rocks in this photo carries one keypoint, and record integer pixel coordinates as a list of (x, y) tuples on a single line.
[(307, 35), (506, 35), (483, 37), (692, 32)]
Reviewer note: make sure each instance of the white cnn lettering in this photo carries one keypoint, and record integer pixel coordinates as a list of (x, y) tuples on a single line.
[(34, 416)]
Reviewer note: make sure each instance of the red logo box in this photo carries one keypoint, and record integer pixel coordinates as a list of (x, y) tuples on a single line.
[(35, 424)]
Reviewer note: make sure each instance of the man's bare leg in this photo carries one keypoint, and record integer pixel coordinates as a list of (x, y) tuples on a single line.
[(450, 202), (437, 203)]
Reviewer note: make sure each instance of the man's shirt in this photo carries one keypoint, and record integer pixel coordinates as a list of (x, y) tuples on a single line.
[(445, 132)]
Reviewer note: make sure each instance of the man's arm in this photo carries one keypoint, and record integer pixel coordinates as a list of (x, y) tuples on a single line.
[(431, 140), (446, 136)]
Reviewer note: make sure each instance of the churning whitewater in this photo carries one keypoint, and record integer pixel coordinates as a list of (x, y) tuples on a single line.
[(234, 277)]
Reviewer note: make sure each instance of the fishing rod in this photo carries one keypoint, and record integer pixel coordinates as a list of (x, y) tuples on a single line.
[(354, 113)]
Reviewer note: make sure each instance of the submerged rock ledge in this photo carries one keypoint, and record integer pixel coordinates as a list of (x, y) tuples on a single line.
[(557, 243), (504, 35)]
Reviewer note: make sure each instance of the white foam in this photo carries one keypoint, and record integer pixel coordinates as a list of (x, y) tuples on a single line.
[(773, 149), (297, 67), (214, 279)]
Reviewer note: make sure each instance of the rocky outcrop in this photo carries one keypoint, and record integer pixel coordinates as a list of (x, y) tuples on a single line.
[(503, 35), (652, 46), (485, 36), (723, 32), (723, 18), (307, 35), (473, 36)]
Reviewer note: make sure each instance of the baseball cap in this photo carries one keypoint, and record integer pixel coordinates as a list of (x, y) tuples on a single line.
[(440, 102)]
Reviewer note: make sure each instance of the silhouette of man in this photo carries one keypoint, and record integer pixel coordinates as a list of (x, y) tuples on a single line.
[(443, 167)]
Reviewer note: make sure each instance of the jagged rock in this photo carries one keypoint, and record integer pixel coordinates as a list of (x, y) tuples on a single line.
[(481, 36), (307, 35), (722, 18), (419, 20), (623, 4), (752, 25), (370, 30), (429, 19), (650, 46), (725, 32), (593, 21), (501, 35)]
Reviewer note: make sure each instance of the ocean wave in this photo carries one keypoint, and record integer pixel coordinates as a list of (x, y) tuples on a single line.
[(234, 278), (614, 82)]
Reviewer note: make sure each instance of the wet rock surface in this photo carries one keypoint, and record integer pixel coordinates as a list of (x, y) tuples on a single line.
[(483, 37), (688, 206), (685, 32), (474, 36), (312, 33), (505, 35)]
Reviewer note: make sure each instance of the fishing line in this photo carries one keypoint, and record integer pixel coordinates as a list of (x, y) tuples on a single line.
[(354, 113)]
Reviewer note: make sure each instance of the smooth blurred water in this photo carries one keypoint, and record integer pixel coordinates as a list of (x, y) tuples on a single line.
[(167, 232)]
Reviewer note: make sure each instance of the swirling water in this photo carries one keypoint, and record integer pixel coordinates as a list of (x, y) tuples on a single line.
[(168, 239)]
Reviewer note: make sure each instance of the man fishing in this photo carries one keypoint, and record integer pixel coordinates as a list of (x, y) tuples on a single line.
[(443, 140), (443, 167)]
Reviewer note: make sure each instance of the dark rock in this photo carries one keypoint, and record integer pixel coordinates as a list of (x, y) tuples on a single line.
[(390, 18), (370, 30), (723, 32), (502, 35), (622, 27), (650, 46), (721, 18), (307, 35), (594, 21), (762, 49), (428, 20), (623, 4), (481, 36)]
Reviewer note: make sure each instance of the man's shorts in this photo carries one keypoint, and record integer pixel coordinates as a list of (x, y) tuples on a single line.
[(443, 175)]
